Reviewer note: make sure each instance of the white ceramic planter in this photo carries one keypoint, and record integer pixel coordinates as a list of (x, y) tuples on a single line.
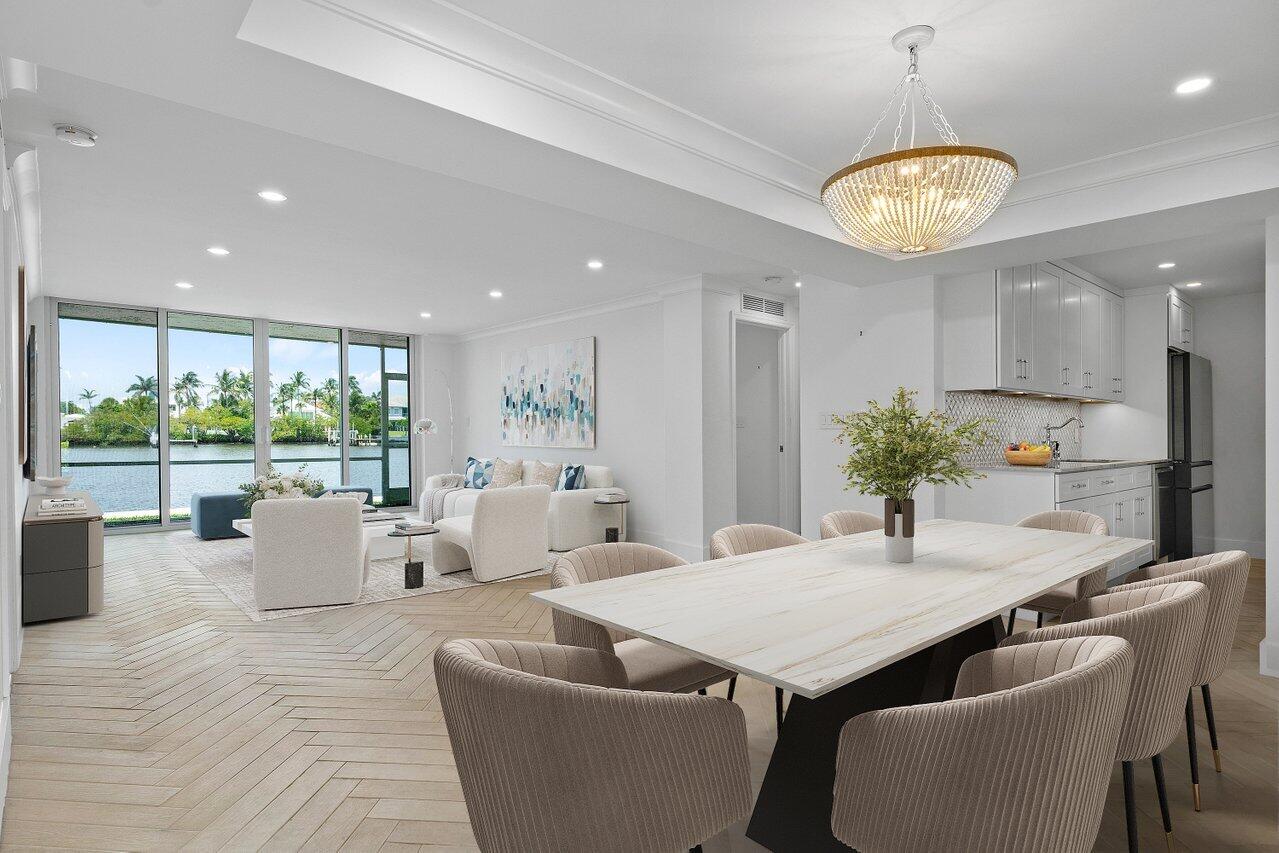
[(899, 548)]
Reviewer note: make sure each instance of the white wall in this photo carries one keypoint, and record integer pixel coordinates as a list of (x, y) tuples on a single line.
[(1270, 645), (1230, 332), (758, 426), (630, 402), (857, 345)]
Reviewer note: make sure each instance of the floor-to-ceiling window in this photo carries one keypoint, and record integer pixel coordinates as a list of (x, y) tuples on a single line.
[(109, 401), (378, 383), (210, 406), (306, 422)]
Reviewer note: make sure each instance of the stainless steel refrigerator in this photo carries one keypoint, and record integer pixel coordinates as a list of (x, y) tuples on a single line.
[(1190, 447)]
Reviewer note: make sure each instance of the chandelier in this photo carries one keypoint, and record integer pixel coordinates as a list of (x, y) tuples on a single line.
[(917, 199)]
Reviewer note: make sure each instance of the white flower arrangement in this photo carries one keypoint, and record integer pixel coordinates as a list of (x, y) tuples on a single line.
[(272, 486)]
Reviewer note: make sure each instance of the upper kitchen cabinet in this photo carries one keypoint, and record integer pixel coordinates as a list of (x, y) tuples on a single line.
[(1181, 324), (1044, 328)]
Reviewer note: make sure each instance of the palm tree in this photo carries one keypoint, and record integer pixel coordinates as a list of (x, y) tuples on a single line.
[(329, 394), (186, 390), (300, 384), (145, 386), (227, 387), (87, 395), (244, 382), (284, 396)]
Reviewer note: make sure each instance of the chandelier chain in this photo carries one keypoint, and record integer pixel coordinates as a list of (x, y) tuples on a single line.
[(893, 97), (943, 127)]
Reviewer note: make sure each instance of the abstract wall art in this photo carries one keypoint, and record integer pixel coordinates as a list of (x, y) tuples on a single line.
[(548, 395)]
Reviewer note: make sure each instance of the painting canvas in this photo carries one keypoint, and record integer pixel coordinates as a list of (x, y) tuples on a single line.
[(548, 395)]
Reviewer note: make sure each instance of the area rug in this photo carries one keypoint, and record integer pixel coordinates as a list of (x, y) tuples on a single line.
[(228, 563)]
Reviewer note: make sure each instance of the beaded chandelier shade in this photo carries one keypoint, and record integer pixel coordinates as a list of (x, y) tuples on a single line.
[(917, 199)]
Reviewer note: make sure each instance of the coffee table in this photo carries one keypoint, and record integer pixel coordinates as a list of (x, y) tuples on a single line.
[(412, 568), (377, 526)]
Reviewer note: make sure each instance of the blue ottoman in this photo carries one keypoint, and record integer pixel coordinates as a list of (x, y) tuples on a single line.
[(212, 514)]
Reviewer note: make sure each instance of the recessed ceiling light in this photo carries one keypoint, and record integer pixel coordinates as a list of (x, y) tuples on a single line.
[(1194, 84), (595, 265), (1193, 284), (272, 195), (220, 251), (496, 294), (185, 285), (799, 283), (1167, 265), (425, 315)]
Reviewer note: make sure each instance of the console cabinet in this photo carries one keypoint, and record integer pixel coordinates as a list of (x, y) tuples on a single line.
[(1043, 328), (61, 563)]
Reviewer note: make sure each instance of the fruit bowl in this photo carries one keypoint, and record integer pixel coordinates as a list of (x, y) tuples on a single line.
[(1028, 457)]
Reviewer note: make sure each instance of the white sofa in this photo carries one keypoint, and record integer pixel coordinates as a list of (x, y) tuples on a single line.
[(307, 552), (504, 537), (573, 519)]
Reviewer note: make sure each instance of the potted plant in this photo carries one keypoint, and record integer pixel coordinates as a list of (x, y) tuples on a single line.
[(894, 449)]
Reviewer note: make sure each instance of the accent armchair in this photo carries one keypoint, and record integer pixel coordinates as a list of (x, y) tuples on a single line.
[(307, 552), (505, 535)]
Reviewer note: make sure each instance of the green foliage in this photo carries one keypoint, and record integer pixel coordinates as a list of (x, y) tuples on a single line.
[(894, 449), (114, 423)]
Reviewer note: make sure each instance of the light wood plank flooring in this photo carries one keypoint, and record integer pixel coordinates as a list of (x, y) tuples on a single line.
[(172, 721)]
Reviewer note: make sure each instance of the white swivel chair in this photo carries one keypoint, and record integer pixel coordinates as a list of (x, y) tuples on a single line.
[(504, 537), (307, 552)]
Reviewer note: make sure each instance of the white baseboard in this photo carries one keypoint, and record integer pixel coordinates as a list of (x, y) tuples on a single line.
[(6, 749), (1255, 549), (1270, 657)]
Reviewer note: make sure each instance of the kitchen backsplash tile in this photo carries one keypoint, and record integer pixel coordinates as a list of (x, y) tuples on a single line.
[(1016, 418)]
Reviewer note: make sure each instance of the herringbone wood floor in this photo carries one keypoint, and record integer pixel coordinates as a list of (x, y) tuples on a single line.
[(172, 721)]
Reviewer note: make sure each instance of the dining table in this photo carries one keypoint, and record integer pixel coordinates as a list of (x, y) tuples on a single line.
[(843, 630)]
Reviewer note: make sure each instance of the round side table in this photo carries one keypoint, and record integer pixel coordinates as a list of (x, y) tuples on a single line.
[(412, 568), (614, 534)]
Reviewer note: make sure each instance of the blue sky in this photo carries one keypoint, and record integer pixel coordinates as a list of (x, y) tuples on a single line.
[(105, 357)]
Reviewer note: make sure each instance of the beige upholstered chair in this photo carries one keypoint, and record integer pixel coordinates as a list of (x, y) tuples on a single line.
[(846, 522), (307, 552), (555, 754), (1164, 623), (1058, 599), (1019, 760), (1226, 575), (740, 539), (648, 665), (505, 536)]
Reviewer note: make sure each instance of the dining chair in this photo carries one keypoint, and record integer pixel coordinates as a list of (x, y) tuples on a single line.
[(648, 665), (846, 522), (555, 752), (740, 539), (1226, 575), (941, 776), (1059, 598), (1164, 623)]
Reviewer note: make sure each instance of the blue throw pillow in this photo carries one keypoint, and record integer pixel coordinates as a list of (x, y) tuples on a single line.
[(572, 477), (479, 473)]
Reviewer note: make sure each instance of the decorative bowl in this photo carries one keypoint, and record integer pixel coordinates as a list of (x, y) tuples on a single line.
[(53, 485), (1037, 458)]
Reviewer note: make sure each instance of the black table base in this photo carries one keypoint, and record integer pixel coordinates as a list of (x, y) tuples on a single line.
[(794, 806), (413, 575)]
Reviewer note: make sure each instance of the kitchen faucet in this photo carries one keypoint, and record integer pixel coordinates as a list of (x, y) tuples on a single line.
[(1056, 445)]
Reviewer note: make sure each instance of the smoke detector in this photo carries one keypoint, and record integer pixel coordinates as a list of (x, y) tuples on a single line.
[(80, 137)]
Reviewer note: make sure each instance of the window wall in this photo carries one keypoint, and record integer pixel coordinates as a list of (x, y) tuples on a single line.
[(211, 419), (306, 401), (109, 411), (338, 405)]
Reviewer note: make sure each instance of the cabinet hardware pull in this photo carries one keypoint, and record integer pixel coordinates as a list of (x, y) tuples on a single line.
[(1079, 485), (1065, 376)]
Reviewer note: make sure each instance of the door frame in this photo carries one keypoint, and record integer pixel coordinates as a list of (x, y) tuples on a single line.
[(788, 410)]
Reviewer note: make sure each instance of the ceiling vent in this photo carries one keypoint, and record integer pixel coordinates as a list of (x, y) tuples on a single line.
[(763, 305)]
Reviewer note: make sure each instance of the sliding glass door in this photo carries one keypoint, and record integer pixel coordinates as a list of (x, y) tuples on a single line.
[(109, 409), (210, 407), (378, 388), (337, 405)]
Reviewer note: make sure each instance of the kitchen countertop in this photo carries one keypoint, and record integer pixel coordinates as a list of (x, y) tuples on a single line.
[(1071, 467)]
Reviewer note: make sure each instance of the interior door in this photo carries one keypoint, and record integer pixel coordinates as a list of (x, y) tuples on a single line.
[(1090, 337), (1072, 336), (1045, 372)]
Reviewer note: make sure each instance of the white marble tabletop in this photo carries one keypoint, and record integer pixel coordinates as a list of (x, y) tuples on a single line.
[(810, 618)]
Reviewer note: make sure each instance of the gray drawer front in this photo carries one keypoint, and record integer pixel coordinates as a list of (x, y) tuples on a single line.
[(55, 547), (55, 595)]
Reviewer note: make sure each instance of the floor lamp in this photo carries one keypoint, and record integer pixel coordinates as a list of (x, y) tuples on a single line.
[(426, 426)]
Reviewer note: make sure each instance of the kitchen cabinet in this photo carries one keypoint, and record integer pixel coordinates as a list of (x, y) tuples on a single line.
[(1181, 324), (1046, 328), (1112, 347)]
